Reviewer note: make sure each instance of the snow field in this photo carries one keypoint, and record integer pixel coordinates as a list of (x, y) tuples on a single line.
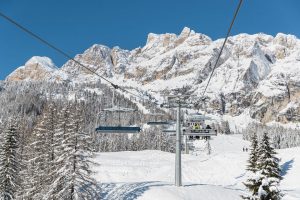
[(149, 175)]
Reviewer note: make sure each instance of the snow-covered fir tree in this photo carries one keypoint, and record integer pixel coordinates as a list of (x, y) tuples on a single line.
[(269, 171), (252, 183), (254, 155), (73, 163), (9, 163), (40, 162)]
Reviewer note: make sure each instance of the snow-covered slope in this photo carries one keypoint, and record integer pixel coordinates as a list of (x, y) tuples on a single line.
[(259, 72), (148, 175)]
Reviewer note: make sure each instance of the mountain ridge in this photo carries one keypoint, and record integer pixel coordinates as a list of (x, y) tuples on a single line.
[(259, 72)]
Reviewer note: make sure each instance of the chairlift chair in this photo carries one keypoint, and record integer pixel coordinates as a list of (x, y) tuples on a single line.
[(119, 128), (195, 127), (157, 119), (169, 128), (154, 123)]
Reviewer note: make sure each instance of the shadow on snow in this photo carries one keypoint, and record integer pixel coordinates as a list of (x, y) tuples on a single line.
[(285, 167), (126, 191)]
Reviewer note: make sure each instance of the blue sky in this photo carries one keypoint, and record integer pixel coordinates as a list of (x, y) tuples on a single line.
[(74, 25)]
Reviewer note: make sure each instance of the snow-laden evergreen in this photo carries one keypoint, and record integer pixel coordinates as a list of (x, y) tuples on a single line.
[(252, 183), (73, 180), (9, 163), (269, 171), (40, 161), (58, 157), (254, 155), (264, 169)]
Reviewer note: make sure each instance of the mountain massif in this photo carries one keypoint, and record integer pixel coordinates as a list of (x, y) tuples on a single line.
[(258, 75)]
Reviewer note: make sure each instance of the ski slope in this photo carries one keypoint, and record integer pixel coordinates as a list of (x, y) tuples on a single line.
[(149, 175)]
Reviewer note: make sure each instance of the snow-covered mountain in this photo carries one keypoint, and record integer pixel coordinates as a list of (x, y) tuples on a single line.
[(257, 76), (35, 69)]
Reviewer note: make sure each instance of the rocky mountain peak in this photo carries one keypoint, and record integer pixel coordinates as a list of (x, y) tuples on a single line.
[(168, 41), (36, 68), (42, 61), (286, 40)]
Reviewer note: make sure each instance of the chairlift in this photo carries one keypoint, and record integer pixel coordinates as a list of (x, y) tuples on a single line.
[(119, 128), (195, 127), (157, 121), (169, 128)]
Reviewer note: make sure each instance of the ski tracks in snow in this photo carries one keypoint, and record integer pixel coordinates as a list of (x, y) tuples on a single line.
[(126, 191)]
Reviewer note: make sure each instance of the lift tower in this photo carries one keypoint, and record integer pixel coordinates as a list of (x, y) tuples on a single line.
[(178, 101)]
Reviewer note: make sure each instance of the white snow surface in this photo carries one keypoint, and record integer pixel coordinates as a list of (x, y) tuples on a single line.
[(149, 175), (45, 62)]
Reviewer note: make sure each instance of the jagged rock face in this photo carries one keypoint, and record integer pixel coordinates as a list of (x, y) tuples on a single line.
[(37, 68), (100, 59), (259, 71)]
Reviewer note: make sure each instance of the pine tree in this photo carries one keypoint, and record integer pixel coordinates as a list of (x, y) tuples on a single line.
[(41, 154), (73, 180), (9, 164), (269, 171), (254, 155), (27, 173), (252, 183), (54, 175)]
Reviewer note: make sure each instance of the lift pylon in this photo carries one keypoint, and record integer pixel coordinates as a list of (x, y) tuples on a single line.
[(179, 102)]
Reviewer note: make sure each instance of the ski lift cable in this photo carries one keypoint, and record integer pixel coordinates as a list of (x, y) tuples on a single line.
[(115, 86), (223, 45)]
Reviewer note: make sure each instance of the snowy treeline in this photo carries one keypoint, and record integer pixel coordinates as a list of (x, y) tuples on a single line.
[(21, 100), (280, 137), (148, 139)]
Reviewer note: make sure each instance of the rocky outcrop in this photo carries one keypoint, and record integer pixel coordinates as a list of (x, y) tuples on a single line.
[(37, 68)]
